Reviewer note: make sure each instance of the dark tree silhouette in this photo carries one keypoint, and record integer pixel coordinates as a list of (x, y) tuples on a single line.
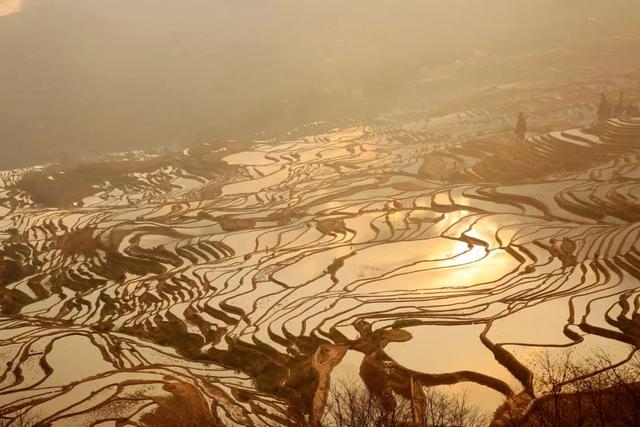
[(18, 418), (604, 109), (592, 392), (352, 405), (521, 127)]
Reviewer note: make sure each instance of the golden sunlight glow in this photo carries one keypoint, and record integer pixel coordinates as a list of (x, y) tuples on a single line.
[(8, 7)]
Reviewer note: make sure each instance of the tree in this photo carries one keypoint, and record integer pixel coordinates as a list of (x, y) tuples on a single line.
[(592, 392), (619, 108), (18, 418), (451, 410), (352, 405), (604, 109), (521, 127)]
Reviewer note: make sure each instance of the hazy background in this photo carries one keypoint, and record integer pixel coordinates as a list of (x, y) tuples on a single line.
[(80, 77)]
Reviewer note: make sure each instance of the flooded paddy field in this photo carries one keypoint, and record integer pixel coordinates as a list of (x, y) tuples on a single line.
[(229, 287)]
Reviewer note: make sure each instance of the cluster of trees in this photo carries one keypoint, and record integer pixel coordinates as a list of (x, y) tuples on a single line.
[(607, 110), (591, 392), (611, 396), (351, 405)]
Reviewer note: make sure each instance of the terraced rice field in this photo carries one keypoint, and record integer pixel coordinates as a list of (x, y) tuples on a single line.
[(228, 290)]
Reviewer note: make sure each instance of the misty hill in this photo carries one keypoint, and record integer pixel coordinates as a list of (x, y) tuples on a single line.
[(81, 77)]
